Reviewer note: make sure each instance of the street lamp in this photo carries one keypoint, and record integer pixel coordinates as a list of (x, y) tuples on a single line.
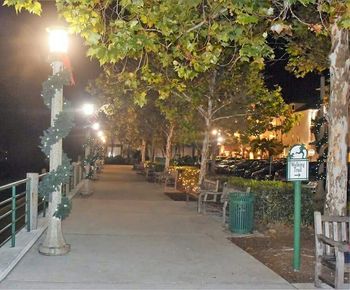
[(88, 109), (220, 140), (58, 40), (54, 243), (100, 134), (95, 126)]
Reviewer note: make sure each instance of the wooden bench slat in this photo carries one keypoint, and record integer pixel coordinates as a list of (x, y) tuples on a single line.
[(332, 241), (338, 219), (343, 232)]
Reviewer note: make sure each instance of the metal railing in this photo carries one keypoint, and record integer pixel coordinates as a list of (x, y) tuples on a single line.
[(22, 203), (12, 207)]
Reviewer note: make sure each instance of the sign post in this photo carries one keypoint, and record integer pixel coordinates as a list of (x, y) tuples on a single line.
[(297, 171)]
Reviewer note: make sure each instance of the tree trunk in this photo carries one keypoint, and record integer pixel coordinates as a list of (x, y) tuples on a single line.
[(169, 140), (338, 122), (143, 151), (208, 119), (205, 151), (153, 149)]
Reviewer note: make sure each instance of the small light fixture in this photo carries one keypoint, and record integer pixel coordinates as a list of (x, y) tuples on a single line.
[(88, 109), (221, 139), (214, 132), (95, 126), (58, 39)]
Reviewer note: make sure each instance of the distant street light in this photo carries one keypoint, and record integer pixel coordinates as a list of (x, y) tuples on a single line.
[(54, 243), (88, 109), (95, 126), (220, 140)]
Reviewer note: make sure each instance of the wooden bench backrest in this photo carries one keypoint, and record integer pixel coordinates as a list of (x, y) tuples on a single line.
[(208, 184), (333, 227)]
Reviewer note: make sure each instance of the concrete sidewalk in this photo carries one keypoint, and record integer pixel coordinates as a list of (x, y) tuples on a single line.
[(129, 235)]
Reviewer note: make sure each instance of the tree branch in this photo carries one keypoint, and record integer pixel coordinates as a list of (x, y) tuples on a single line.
[(188, 99), (200, 24), (227, 117)]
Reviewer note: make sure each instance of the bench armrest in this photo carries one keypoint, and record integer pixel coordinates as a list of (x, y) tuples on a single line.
[(341, 246)]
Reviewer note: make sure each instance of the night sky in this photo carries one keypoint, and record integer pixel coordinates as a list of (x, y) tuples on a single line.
[(23, 68)]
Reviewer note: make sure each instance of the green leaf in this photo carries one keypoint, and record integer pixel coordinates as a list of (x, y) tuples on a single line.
[(247, 19)]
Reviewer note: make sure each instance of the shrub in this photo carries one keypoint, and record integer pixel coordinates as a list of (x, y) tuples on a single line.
[(185, 161), (157, 167), (274, 200), (188, 178), (115, 160)]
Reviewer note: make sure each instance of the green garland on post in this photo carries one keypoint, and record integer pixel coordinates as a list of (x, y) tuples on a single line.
[(63, 123)]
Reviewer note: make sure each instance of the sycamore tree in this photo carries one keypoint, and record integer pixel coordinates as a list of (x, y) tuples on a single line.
[(176, 111), (125, 120), (185, 39), (218, 95), (190, 37), (317, 34), (268, 113), (117, 113)]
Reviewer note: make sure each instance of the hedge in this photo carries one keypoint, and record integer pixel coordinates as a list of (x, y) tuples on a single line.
[(274, 200)]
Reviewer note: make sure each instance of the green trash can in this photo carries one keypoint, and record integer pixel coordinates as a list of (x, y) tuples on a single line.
[(241, 212)]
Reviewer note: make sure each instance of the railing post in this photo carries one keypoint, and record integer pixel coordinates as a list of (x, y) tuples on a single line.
[(44, 206), (13, 217), (74, 174), (32, 199), (79, 171)]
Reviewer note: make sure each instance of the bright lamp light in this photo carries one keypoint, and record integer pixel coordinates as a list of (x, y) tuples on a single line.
[(100, 134), (221, 139), (58, 39), (95, 126), (214, 132), (88, 109)]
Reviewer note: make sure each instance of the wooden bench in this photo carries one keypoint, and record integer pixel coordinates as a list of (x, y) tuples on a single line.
[(208, 192), (170, 181), (332, 236), (139, 168)]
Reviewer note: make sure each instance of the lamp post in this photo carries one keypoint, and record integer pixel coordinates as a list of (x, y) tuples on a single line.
[(88, 110), (54, 243)]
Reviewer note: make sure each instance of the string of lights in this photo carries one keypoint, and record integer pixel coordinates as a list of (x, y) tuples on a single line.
[(62, 125)]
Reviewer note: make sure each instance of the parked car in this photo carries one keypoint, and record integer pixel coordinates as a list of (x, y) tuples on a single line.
[(239, 168), (218, 159), (224, 165), (255, 166), (268, 172)]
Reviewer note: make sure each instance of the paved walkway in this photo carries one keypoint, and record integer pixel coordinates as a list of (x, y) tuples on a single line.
[(129, 235)]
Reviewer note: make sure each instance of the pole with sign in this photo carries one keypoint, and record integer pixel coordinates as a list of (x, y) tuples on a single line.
[(297, 171)]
